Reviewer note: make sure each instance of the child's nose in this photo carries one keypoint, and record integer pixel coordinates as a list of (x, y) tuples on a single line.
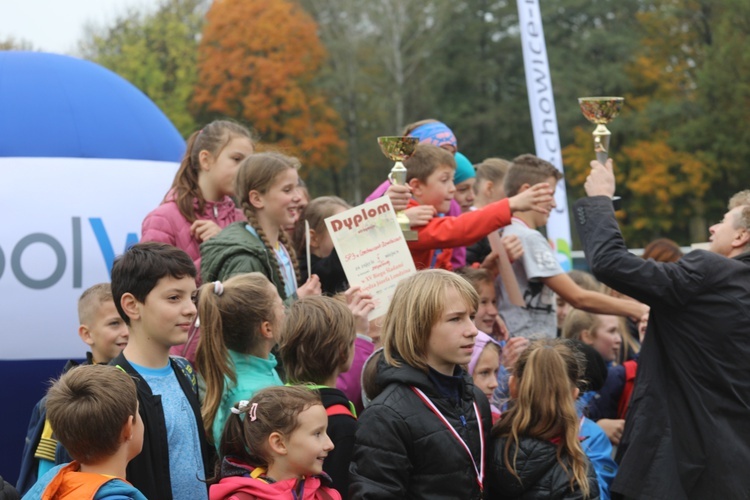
[(329, 444)]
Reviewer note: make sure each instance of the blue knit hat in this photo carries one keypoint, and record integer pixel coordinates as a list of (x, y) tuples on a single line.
[(464, 169)]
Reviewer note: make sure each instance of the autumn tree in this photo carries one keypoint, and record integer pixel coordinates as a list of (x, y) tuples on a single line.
[(155, 50), (258, 63)]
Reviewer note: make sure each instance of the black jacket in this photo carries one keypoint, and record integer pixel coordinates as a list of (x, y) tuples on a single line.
[(687, 433), (149, 471), (403, 450), (541, 475), (341, 429)]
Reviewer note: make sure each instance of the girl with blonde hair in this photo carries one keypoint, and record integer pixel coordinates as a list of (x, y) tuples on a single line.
[(537, 449), (423, 435)]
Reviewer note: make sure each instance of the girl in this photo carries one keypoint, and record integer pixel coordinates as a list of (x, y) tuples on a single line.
[(537, 449), (267, 187), (198, 205), (424, 435), (464, 179), (486, 318), (240, 319), (323, 257), (601, 331), (273, 448), (484, 368)]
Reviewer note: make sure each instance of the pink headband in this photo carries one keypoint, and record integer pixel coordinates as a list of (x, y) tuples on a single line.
[(480, 342)]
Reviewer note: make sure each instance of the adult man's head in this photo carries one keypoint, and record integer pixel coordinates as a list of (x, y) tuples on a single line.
[(731, 236)]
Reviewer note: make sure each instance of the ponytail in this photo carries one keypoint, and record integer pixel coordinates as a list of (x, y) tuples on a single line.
[(546, 375), (231, 315)]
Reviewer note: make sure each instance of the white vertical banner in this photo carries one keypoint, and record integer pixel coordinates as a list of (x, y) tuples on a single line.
[(544, 120)]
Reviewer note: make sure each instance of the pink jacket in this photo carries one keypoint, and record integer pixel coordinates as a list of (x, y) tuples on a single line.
[(227, 488), (166, 224)]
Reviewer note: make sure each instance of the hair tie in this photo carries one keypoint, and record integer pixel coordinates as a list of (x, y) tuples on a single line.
[(241, 406), (218, 288), (253, 410)]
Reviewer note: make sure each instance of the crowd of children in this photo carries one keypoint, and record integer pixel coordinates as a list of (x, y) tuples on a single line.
[(222, 367)]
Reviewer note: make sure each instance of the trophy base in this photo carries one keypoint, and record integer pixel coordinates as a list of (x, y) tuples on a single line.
[(410, 235)]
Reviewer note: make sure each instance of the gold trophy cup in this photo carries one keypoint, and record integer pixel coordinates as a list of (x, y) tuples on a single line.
[(399, 149), (600, 111)]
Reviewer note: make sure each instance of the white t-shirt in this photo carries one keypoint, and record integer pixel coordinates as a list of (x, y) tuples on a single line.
[(537, 320)]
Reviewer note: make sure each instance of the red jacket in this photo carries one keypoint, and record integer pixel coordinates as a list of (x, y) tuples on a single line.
[(449, 232)]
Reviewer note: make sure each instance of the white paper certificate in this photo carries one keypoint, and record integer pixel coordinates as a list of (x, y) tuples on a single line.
[(372, 250)]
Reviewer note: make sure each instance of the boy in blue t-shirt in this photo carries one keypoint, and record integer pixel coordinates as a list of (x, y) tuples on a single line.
[(153, 286)]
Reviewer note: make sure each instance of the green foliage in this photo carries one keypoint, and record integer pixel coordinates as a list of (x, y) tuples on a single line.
[(155, 51)]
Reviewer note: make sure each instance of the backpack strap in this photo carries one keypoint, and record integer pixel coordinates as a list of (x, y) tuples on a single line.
[(631, 367), (187, 370), (339, 409)]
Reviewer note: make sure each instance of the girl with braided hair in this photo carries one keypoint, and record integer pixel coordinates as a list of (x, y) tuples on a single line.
[(268, 193)]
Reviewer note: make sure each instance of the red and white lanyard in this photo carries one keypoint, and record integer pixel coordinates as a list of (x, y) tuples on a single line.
[(479, 471)]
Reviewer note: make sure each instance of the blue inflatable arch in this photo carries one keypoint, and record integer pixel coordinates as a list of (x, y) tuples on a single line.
[(57, 106)]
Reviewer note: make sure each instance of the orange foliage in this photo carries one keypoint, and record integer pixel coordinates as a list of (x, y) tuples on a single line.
[(256, 62), (657, 180)]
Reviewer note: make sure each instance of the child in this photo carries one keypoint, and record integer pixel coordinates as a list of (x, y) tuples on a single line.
[(423, 436), (324, 259), (484, 368), (106, 334), (317, 345), (537, 450), (538, 273), (486, 318), (464, 179), (430, 176), (153, 286), (273, 448), (488, 188), (267, 187), (582, 279), (241, 321), (199, 205), (601, 331), (94, 410)]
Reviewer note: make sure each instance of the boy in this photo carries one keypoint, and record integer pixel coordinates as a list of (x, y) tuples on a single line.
[(312, 358), (538, 273), (153, 286), (102, 328), (430, 176), (94, 410)]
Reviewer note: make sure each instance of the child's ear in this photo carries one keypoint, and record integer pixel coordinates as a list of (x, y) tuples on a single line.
[(523, 187), (314, 240), (128, 430), (255, 199), (416, 186), (205, 160), (576, 392), (277, 444), (266, 329), (586, 337), (129, 304), (85, 334)]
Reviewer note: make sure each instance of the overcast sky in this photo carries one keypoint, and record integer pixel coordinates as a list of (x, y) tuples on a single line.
[(57, 25)]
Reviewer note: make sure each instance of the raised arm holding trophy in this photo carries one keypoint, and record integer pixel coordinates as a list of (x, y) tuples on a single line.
[(601, 111)]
